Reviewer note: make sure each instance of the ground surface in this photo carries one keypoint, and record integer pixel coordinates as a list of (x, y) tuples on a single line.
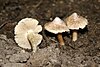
[(85, 52)]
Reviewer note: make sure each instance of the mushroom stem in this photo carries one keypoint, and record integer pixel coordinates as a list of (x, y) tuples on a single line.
[(60, 39), (74, 35), (30, 38)]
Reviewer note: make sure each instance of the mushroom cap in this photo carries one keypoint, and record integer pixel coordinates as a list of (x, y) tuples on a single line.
[(75, 22), (22, 29), (56, 26)]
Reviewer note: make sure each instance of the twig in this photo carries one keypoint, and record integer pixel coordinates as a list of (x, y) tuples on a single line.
[(37, 5), (2, 25)]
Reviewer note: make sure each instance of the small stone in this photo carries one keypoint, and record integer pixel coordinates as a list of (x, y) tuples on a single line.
[(8, 56), (98, 0), (22, 51), (1, 60), (61, 2), (71, 0)]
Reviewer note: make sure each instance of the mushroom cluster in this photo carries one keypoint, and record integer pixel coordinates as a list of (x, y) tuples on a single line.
[(26, 33), (73, 22)]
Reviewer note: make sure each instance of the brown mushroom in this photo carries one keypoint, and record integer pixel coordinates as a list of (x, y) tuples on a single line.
[(26, 33), (74, 22), (57, 26)]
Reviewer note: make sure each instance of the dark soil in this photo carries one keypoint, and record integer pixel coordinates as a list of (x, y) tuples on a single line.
[(85, 52)]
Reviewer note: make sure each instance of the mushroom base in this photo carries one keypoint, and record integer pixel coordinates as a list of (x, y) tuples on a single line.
[(74, 35)]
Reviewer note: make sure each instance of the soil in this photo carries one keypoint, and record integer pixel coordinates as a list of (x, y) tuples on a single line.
[(85, 52)]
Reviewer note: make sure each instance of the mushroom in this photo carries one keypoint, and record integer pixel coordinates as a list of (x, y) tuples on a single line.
[(74, 22), (26, 33), (57, 26)]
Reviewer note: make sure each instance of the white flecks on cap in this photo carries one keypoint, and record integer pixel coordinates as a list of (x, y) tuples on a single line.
[(56, 26), (57, 20), (75, 22)]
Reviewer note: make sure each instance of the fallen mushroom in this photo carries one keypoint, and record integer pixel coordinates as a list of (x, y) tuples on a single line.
[(57, 26), (26, 33), (74, 22)]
